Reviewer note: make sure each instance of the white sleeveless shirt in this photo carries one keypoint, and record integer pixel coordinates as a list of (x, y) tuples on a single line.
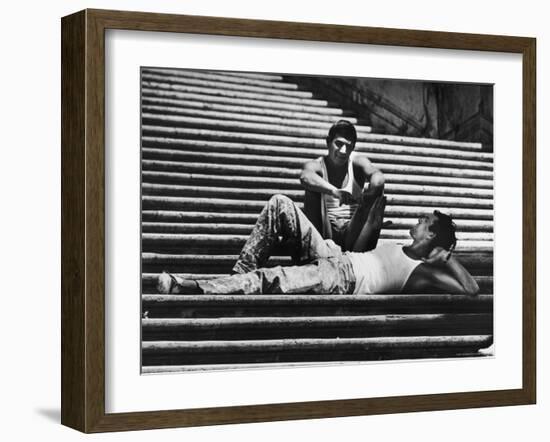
[(339, 215), (385, 269)]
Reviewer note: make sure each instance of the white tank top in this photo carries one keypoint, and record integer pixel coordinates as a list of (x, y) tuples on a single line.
[(336, 213), (385, 269)]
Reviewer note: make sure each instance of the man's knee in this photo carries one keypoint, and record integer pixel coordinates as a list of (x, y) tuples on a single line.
[(377, 180), (376, 184)]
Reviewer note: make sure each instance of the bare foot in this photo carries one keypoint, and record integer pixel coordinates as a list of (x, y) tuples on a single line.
[(164, 283)]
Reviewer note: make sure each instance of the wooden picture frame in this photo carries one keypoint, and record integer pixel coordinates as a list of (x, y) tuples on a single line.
[(83, 220)]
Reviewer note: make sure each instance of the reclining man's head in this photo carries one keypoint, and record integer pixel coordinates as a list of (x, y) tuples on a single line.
[(341, 140), (436, 230)]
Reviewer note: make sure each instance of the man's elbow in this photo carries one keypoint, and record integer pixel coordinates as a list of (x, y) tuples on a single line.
[(377, 179)]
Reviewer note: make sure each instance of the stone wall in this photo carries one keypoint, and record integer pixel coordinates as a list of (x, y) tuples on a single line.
[(460, 112)]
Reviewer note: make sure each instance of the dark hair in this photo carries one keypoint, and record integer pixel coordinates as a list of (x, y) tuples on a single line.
[(344, 129), (444, 229)]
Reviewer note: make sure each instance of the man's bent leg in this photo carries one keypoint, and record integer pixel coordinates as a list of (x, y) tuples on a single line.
[(281, 222), (360, 216), (368, 238), (356, 224)]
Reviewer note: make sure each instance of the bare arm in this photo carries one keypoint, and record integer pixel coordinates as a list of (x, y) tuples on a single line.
[(462, 275), (444, 275), (372, 175), (312, 180)]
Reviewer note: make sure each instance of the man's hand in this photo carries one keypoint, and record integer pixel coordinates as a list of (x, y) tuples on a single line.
[(344, 196), (438, 257)]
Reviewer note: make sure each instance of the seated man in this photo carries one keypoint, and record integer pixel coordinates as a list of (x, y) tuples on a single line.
[(335, 184), (425, 265)]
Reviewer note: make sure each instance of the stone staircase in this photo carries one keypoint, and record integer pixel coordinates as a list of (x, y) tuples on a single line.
[(215, 147)]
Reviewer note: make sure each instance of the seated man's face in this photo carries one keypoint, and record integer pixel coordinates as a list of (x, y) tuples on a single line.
[(339, 150)]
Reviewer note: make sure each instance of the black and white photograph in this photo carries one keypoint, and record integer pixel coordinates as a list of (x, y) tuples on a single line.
[(294, 220)]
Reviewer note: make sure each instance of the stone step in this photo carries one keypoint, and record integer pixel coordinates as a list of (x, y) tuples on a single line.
[(198, 217), (423, 175), (262, 188), (241, 206), (477, 263), (190, 104), (269, 163), (242, 117), (314, 132), (298, 155), (480, 188), (148, 92), (243, 220), (229, 136), (298, 350), (261, 97), (220, 76), (227, 306), (406, 198), (316, 149), (217, 84), (244, 231), (216, 192), (253, 328), (204, 243), (254, 75)]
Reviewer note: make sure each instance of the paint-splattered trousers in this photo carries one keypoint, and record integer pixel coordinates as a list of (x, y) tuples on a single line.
[(319, 265)]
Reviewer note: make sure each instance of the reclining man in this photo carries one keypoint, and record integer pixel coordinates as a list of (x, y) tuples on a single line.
[(425, 265), (336, 183)]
